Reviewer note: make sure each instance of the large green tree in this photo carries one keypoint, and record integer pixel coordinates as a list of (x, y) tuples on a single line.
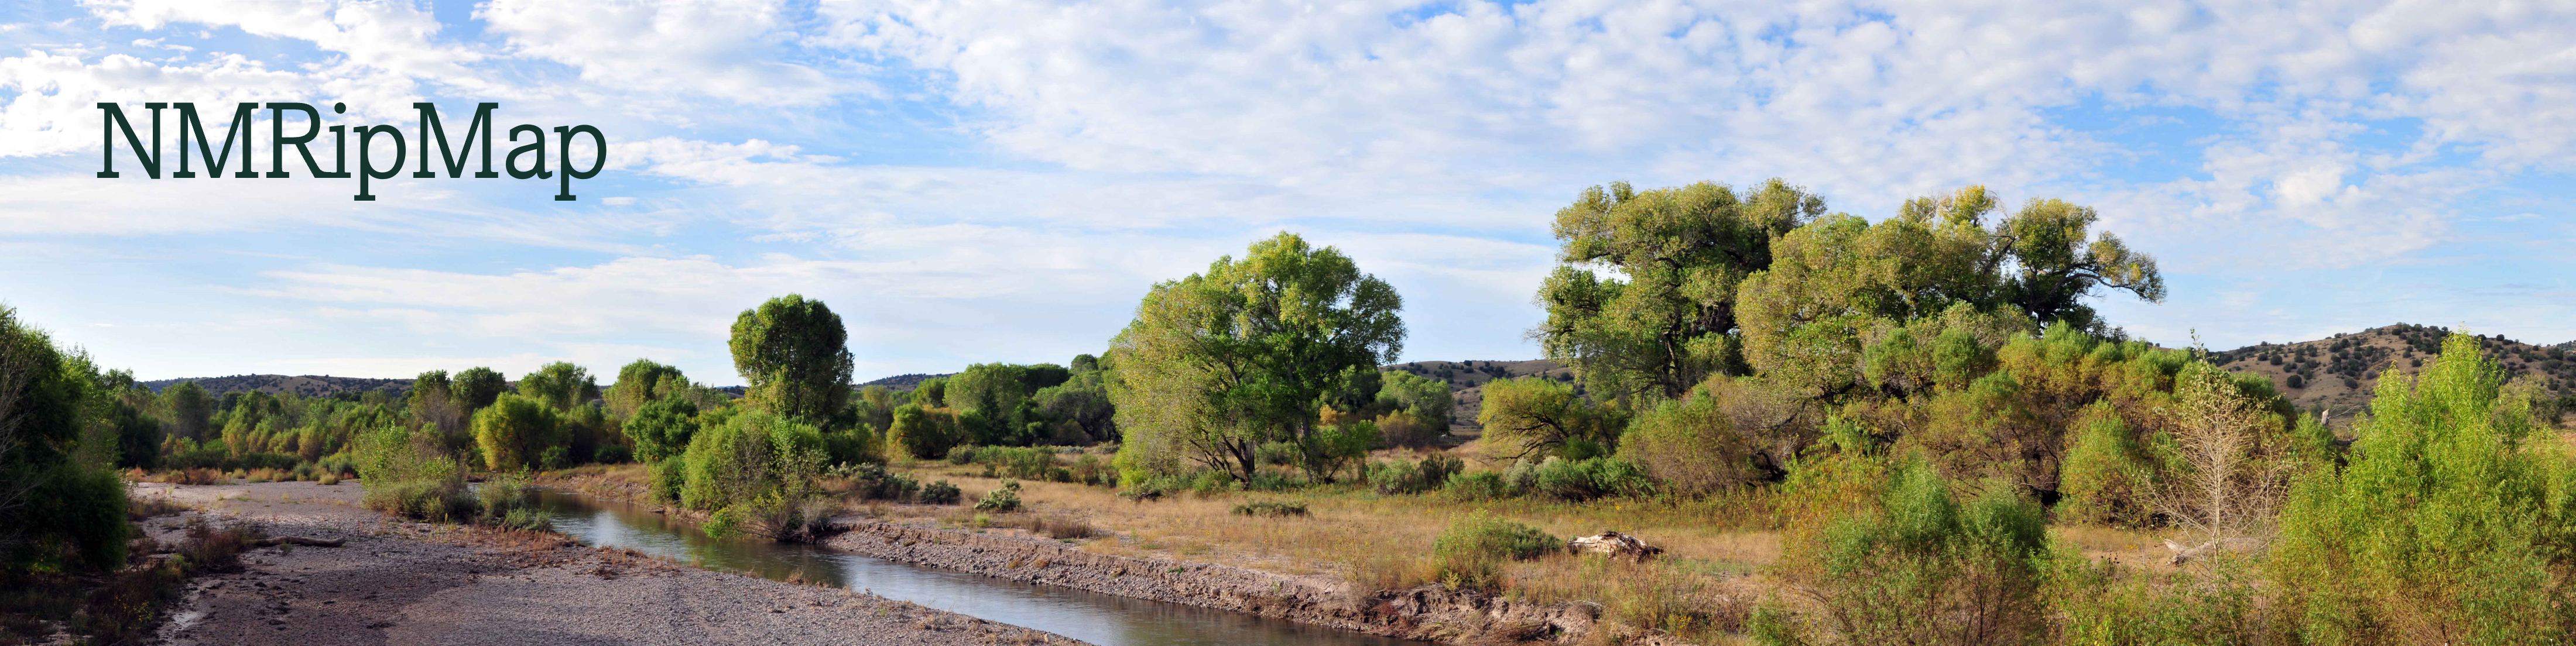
[(561, 385), (795, 356), (476, 387), (640, 383), (1217, 363), (189, 407), (1667, 318)]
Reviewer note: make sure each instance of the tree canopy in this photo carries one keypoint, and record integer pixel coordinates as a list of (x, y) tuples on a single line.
[(795, 356), (1220, 362)]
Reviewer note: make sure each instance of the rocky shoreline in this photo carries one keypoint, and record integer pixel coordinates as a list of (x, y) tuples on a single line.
[(1430, 613), (398, 582)]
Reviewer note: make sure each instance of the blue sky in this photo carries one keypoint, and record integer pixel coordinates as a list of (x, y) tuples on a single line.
[(1001, 181)]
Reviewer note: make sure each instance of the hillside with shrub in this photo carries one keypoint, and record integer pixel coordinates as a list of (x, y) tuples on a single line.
[(298, 385), (2337, 375)]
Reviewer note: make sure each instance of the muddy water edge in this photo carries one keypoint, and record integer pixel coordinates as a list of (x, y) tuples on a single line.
[(949, 571)]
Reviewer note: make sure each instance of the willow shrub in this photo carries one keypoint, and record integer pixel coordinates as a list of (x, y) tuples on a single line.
[(1891, 557), (2452, 523), (1472, 552)]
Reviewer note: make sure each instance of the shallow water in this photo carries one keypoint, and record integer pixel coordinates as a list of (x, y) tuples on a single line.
[(1104, 619)]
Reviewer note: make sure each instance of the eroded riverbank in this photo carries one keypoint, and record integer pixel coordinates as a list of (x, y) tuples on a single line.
[(396, 582)]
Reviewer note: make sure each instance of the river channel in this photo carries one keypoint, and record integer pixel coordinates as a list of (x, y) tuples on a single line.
[(1104, 619)]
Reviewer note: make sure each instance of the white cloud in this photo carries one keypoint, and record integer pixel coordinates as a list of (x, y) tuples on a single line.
[(728, 50)]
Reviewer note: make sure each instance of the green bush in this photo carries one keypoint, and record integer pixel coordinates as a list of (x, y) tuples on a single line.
[(963, 455), (1472, 552), (614, 454), (1479, 485), (669, 476), (410, 473), (876, 483), (515, 432), (940, 493), (2456, 520), (662, 428), (1276, 453), (1918, 568), (1005, 499), (1587, 479), (1271, 508), (554, 457), (1397, 477)]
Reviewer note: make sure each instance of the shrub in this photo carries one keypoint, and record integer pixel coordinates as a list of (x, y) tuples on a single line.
[(2454, 521), (515, 431), (1271, 508), (614, 454), (1003, 500), (875, 483), (940, 493), (1472, 552), (554, 457), (1398, 477), (757, 471), (963, 455), (1918, 568), (410, 474), (1580, 480), (669, 476), (662, 428), (1480, 485), (1702, 443)]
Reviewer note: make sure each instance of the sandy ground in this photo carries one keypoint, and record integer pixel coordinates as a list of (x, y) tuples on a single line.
[(398, 582)]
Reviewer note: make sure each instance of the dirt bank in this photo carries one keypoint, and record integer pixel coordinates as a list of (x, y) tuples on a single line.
[(405, 583), (1427, 613)]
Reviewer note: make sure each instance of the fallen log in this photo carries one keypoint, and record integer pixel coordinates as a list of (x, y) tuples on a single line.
[(1615, 545), (298, 540)]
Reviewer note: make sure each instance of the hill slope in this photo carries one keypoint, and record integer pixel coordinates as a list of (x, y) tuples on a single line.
[(304, 385), (2337, 373)]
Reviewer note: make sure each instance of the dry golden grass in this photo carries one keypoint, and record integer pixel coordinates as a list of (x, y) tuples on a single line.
[(1385, 542)]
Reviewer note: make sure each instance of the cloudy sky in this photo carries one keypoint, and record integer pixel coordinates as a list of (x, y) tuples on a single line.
[(1001, 181)]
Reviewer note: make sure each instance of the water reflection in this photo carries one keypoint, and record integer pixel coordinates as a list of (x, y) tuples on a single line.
[(1104, 619)]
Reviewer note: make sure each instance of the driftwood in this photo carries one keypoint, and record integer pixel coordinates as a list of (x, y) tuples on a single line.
[(1615, 545), (2186, 554), (298, 540)]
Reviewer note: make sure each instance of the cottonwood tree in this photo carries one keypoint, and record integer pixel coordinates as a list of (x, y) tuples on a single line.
[(1536, 416), (1668, 320), (191, 410), (561, 385), (476, 387), (1217, 363), (640, 383), (795, 356)]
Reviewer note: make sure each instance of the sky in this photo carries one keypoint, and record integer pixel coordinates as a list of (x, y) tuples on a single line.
[(982, 181)]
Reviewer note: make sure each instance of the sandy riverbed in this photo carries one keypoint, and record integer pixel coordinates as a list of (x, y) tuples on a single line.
[(397, 582)]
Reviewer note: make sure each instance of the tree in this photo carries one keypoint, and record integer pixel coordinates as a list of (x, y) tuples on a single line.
[(432, 402), (560, 385), (1672, 321), (48, 501), (794, 355), (1218, 363), (1001, 395), (2049, 263), (662, 428), (515, 430), (1417, 408), (189, 407), (477, 387), (640, 383), (1529, 417)]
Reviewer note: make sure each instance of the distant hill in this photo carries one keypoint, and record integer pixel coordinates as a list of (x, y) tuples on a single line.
[(303, 385), (1467, 381), (904, 382), (2338, 373)]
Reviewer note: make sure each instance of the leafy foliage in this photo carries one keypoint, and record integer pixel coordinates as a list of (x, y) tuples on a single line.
[(1220, 362), (794, 355)]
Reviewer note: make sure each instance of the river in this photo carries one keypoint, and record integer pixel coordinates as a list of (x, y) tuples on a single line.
[(1108, 620)]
